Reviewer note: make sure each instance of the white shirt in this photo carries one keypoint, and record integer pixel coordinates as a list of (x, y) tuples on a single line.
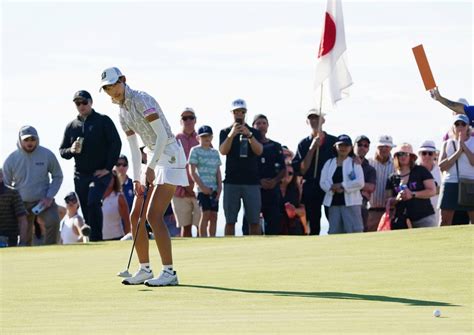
[(68, 235), (112, 221), (136, 107), (466, 170)]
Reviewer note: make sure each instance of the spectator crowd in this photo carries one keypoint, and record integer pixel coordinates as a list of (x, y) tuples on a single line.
[(282, 192)]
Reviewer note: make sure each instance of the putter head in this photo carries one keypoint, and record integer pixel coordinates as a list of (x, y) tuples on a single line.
[(124, 274)]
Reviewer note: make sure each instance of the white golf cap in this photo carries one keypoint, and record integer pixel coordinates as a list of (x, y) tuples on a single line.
[(238, 104), (109, 76), (314, 111), (385, 140)]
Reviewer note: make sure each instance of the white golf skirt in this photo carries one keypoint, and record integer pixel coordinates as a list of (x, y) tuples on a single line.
[(171, 167)]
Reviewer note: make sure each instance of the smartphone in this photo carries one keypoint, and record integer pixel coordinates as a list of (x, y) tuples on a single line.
[(240, 121)]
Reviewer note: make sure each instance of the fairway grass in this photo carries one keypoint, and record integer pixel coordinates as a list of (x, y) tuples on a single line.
[(379, 283)]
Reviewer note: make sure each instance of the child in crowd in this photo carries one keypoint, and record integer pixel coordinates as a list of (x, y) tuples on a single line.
[(204, 162), (72, 226)]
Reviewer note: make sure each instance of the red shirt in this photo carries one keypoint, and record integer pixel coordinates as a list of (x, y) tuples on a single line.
[(188, 141)]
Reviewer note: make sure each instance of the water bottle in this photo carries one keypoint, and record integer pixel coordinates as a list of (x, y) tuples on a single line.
[(38, 208), (403, 187), (244, 146)]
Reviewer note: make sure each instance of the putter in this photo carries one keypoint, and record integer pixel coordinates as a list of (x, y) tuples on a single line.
[(125, 273)]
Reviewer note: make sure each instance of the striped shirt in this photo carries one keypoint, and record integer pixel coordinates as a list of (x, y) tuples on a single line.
[(11, 207), (383, 171)]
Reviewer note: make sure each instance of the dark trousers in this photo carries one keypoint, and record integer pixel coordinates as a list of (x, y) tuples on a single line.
[(271, 212), (312, 199), (91, 191)]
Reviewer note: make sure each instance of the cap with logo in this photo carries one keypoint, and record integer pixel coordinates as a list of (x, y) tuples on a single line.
[(82, 95), (238, 104), (385, 140), (204, 130), (28, 131), (344, 139), (110, 76)]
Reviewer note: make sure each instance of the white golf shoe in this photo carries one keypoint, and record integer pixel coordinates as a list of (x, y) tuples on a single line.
[(165, 278), (138, 277)]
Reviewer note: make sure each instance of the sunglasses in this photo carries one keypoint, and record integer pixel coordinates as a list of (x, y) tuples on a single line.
[(121, 164), (290, 173), (187, 118), (82, 102), (460, 124), (402, 154), (71, 200), (429, 153)]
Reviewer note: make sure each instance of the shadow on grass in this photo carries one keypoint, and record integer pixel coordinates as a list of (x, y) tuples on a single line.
[(331, 295)]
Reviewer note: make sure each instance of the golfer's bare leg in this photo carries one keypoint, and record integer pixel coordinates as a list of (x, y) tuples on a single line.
[(160, 199), (141, 243)]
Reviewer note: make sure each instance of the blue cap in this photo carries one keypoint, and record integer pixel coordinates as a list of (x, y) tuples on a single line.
[(345, 139), (204, 130), (462, 118)]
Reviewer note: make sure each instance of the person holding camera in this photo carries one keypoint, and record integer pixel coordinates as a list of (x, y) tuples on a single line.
[(241, 144), (34, 171), (94, 143)]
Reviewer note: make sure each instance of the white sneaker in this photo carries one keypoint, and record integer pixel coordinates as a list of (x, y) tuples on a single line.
[(138, 277), (165, 278)]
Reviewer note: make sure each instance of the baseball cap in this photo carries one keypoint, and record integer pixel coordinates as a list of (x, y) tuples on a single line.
[(237, 104), (82, 95), (462, 118), (123, 157), (463, 101), (385, 140), (110, 76), (28, 131), (361, 138), (70, 196), (314, 111), (188, 110), (204, 130), (344, 139), (427, 146)]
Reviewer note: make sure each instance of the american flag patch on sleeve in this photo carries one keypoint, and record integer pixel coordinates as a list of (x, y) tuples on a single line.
[(149, 111)]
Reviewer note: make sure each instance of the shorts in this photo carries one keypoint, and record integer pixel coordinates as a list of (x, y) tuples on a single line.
[(208, 202), (171, 167), (448, 198), (186, 211), (250, 194)]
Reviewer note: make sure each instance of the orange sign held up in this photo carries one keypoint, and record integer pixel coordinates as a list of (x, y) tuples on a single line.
[(424, 67)]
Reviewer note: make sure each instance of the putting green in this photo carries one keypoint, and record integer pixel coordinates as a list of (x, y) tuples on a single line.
[(361, 283)]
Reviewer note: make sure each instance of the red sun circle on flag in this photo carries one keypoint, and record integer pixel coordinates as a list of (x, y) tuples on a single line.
[(329, 36)]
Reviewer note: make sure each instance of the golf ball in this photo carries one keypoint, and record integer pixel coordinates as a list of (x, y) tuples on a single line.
[(437, 313)]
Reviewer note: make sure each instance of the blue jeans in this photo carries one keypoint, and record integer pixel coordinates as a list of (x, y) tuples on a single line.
[(91, 191)]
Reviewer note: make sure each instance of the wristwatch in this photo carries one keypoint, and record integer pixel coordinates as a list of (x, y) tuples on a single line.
[(250, 136), (413, 195)]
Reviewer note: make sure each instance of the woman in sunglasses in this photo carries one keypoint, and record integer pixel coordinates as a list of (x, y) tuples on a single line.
[(72, 226), (410, 188), (427, 154), (141, 115), (457, 161), (293, 218)]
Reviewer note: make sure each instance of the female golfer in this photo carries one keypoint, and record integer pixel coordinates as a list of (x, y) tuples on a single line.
[(141, 115)]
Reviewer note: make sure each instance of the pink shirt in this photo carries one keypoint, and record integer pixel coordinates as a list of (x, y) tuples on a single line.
[(188, 141)]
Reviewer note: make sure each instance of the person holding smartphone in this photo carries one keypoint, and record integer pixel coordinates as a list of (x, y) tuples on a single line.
[(241, 144)]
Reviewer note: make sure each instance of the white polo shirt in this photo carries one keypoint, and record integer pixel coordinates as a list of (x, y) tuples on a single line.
[(136, 107)]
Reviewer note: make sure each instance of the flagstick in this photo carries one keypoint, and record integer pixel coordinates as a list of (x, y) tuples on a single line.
[(319, 130)]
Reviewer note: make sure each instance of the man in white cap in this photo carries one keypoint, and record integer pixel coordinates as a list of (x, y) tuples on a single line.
[(304, 163), (241, 144), (34, 171), (185, 205), (383, 164), (459, 107)]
